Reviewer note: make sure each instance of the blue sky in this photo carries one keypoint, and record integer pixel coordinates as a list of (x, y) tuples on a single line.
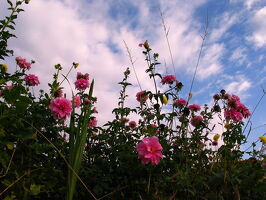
[(91, 32)]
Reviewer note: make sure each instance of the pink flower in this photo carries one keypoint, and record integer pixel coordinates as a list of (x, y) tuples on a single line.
[(84, 76), (226, 96), (82, 84), (145, 44), (216, 97), (180, 103), (132, 124), (150, 150), (61, 108), (194, 107), (124, 120), (169, 79), (9, 87), (87, 101), (233, 101), (58, 93), (22, 63), (92, 123), (196, 121), (234, 115), (32, 80), (244, 110), (141, 96), (77, 101)]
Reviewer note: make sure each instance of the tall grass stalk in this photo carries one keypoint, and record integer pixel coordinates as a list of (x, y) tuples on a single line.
[(77, 142)]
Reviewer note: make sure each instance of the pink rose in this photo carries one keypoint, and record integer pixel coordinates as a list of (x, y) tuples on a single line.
[(92, 123), (150, 150), (243, 110), (194, 107), (132, 124), (77, 101), (180, 103), (82, 84), (84, 76), (234, 115), (196, 121), (141, 96), (32, 80), (61, 108), (169, 79), (22, 63)]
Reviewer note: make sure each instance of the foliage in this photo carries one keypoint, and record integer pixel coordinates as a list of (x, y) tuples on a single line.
[(44, 155)]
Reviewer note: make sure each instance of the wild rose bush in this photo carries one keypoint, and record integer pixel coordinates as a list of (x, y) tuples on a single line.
[(52, 148)]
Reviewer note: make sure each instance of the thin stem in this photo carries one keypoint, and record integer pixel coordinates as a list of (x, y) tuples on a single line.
[(65, 77), (166, 36), (252, 115), (201, 48), (9, 164), (9, 186), (132, 63)]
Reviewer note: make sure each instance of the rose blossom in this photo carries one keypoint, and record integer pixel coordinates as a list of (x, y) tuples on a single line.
[(61, 108), (180, 102), (233, 101), (234, 115), (196, 121), (9, 87), (194, 107), (92, 123), (84, 76), (169, 79), (132, 124), (150, 150), (77, 101), (81, 84), (244, 110), (32, 80), (22, 63), (141, 96)]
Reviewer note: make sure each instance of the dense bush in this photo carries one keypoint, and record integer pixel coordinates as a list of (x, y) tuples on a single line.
[(52, 148)]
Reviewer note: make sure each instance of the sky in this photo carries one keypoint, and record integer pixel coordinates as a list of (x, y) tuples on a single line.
[(91, 32)]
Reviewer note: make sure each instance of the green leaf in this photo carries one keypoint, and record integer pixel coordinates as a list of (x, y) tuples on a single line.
[(35, 189)]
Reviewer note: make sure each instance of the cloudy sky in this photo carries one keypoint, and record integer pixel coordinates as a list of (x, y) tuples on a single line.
[(91, 32)]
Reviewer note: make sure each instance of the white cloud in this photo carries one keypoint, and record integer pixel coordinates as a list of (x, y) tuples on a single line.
[(239, 55), (258, 36), (210, 63), (53, 31), (238, 86)]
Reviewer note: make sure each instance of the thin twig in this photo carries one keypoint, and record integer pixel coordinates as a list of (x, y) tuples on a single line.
[(9, 164), (254, 143), (166, 36), (9, 186), (252, 115), (201, 48), (132, 63)]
